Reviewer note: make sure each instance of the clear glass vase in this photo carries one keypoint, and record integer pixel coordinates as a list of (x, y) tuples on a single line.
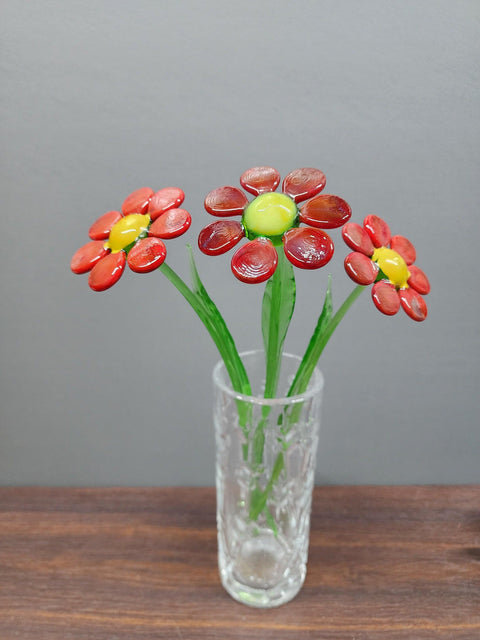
[(266, 453)]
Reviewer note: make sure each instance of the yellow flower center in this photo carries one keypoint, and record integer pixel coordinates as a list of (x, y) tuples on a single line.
[(270, 214), (126, 231), (393, 266)]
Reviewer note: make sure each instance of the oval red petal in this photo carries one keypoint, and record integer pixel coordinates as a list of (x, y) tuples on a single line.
[(360, 268), (87, 256), (418, 280), (405, 248), (325, 212), (171, 224), (308, 248), (378, 230), (413, 304), (259, 180), (165, 199), (357, 238), (385, 297), (301, 184), (107, 272), (220, 236), (226, 201), (147, 255), (100, 229), (255, 261), (137, 201)]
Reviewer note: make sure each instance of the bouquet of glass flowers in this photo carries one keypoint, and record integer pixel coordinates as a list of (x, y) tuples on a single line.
[(263, 515)]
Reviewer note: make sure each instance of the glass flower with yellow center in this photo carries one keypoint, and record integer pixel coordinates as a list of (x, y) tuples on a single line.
[(386, 261), (134, 236)]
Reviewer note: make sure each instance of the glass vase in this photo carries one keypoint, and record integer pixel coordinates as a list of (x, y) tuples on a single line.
[(265, 464)]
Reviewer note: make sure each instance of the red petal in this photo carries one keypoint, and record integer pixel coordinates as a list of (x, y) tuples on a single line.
[(87, 256), (413, 304), (107, 272), (357, 238), (325, 212), (418, 280), (304, 183), (137, 202), (360, 268), (171, 224), (308, 248), (219, 237), (385, 297), (146, 255), (163, 200), (405, 248), (100, 229), (259, 180), (226, 201), (255, 262), (378, 230)]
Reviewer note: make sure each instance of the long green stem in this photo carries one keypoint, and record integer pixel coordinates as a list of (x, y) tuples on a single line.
[(318, 344), (325, 327), (215, 325), (277, 310)]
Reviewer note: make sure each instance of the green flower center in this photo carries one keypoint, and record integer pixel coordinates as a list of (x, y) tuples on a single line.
[(126, 231), (270, 214), (393, 266)]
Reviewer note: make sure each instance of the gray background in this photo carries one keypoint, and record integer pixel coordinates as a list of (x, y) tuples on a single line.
[(100, 98)]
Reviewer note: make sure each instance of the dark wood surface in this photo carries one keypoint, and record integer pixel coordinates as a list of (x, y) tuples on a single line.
[(116, 564)]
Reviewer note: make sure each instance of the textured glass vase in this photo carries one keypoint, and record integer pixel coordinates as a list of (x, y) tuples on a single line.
[(266, 452)]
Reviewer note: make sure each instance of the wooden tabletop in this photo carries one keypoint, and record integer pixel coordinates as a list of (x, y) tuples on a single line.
[(385, 563)]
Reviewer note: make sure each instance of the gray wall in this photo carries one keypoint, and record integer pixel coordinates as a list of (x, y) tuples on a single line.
[(100, 98)]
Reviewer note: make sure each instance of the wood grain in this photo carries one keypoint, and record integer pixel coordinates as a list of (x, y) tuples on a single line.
[(116, 564)]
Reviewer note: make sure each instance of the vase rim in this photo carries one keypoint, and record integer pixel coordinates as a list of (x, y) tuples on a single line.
[(315, 386)]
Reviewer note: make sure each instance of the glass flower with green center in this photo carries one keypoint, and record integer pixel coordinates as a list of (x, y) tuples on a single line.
[(386, 261), (134, 236), (272, 220)]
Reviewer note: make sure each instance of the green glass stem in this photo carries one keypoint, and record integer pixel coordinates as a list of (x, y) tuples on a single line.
[(217, 329), (318, 343), (277, 310), (319, 340)]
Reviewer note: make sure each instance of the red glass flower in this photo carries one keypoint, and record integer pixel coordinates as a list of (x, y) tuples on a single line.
[(387, 261), (272, 219), (134, 236)]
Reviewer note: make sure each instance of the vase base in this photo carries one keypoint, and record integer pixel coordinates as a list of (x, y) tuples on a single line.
[(261, 598), (261, 574)]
